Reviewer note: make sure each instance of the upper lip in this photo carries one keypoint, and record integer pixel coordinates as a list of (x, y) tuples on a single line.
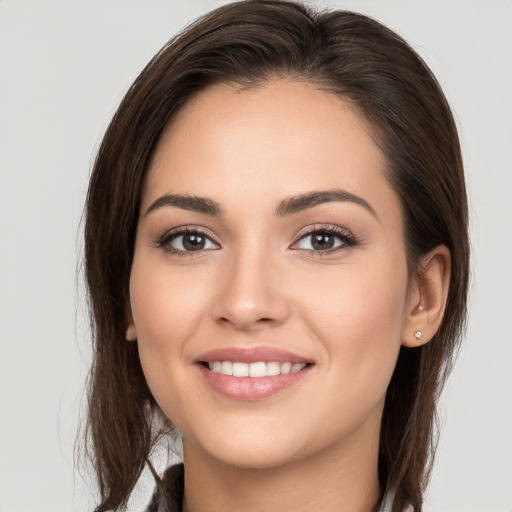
[(252, 355)]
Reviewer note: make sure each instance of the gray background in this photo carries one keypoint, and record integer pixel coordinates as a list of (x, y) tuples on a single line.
[(64, 67)]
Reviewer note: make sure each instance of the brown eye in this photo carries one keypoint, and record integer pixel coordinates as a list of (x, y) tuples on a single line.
[(190, 241), (321, 241), (193, 242), (325, 240)]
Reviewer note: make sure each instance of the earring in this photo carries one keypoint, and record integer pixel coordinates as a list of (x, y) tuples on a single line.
[(418, 335)]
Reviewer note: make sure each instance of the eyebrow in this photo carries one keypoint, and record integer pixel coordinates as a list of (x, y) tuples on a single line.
[(288, 206), (303, 202), (187, 202)]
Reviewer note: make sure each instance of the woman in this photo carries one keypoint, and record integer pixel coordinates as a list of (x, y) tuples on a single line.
[(277, 261)]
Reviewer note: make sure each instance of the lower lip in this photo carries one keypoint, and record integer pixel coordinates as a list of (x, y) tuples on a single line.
[(251, 388)]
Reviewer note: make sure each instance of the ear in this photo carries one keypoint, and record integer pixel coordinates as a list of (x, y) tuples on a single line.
[(131, 331), (427, 297)]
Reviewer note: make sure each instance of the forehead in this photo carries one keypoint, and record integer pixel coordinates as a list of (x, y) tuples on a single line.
[(283, 138)]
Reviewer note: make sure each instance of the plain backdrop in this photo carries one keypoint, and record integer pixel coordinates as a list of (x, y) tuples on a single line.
[(65, 65)]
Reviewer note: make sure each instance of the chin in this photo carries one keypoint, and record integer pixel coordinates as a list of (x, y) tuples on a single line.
[(255, 457), (250, 449)]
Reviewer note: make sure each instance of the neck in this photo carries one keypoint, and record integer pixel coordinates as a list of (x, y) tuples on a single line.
[(335, 480)]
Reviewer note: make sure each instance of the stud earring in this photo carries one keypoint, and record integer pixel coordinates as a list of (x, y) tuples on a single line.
[(418, 335)]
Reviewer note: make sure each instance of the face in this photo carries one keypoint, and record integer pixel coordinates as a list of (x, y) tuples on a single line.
[(269, 283)]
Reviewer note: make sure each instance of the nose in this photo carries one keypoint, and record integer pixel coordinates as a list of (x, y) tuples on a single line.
[(251, 295)]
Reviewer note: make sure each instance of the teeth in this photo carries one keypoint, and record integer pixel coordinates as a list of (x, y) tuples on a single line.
[(286, 367), (259, 369), (273, 368), (240, 369), (226, 368)]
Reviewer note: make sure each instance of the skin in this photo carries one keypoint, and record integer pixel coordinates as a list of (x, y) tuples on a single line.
[(313, 446)]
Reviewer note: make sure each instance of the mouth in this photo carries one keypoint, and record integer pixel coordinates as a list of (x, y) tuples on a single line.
[(252, 373), (253, 370)]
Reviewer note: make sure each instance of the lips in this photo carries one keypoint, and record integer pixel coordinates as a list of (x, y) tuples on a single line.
[(252, 355), (252, 373)]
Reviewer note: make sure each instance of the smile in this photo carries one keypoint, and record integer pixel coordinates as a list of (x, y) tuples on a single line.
[(252, 373), (257, 369)]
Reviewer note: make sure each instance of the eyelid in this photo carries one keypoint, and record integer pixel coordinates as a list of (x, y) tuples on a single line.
[(163, 240), (343, 234)]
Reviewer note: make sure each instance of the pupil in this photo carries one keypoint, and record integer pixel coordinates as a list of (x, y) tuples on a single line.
[(193, 242), (322, 241)]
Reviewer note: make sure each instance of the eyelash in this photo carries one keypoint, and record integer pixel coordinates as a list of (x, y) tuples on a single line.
[(346, 238), (164, 241)]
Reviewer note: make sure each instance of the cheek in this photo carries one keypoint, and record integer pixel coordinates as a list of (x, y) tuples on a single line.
[(358, 326), (167, 309), (357, 312), (358, 298), (165, 305)]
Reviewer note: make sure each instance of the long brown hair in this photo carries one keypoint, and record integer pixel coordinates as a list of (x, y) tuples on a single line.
[(250, 43)]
